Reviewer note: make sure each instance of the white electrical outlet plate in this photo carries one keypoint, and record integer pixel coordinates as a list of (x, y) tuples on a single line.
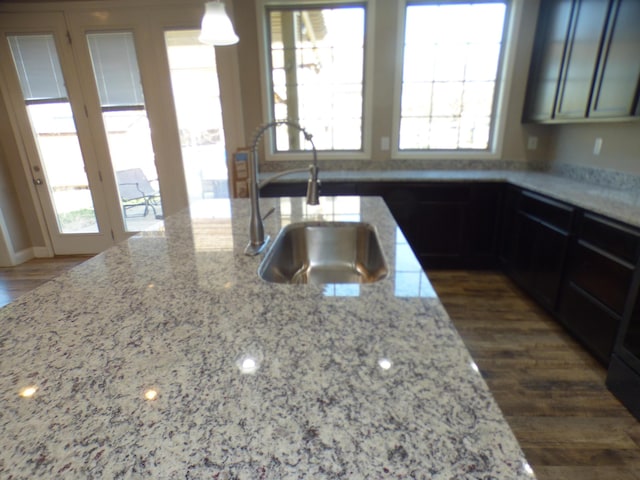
[(532, 142), (597, 146), (385, 144)]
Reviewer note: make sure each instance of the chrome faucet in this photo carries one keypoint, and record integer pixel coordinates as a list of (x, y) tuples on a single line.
[(257, 239)]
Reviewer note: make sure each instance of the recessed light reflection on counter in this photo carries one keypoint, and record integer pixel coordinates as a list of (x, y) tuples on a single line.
[(150, 394), (248, 364), (28, 392), (385, 363)]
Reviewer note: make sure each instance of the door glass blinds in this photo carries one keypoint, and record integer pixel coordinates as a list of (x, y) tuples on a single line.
[(116, 69), (38, 68)]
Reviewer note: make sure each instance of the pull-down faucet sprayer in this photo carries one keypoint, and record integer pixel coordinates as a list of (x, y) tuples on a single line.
[(257, 239)]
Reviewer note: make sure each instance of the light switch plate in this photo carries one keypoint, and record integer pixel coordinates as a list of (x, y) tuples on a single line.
[(597, 146)]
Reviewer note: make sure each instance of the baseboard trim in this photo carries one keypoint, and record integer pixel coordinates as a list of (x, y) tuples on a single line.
[(23, 256), (42, 252)]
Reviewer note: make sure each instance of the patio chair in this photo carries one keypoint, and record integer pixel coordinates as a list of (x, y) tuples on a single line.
[(136, 191)]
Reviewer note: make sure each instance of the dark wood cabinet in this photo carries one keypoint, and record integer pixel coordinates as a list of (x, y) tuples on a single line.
[(576, 264), (534, 243), (616, 86), (553, 25), (299, 189), (623, 375), (585, 63), (600, 269), (448, 225), (581, 58)]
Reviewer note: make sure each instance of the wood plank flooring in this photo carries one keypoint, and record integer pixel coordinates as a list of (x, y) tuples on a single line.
[(550, 390), (15, 281)]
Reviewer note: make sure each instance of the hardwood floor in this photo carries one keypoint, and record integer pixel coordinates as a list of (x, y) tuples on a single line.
[(550, 390), (15, 281)]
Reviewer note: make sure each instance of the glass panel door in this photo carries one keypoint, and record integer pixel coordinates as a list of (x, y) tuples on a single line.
[(196, 94), (115, 68), (44, 100), (45, 95)]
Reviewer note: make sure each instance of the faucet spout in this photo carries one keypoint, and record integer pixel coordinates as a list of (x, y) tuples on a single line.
[(257, 239)]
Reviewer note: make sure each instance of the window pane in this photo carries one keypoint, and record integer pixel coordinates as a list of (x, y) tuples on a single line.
[(450, 66), (317, 71)]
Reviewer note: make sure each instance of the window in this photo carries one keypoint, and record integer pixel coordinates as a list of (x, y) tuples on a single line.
[(450, 66), (316, 65)]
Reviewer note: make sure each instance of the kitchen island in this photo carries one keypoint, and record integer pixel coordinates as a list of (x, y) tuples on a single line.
[(252, 379)]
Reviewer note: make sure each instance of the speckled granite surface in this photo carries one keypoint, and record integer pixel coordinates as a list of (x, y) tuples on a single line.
[(180, 310), (619, 203)]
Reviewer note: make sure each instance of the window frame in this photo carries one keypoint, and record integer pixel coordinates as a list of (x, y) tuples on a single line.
[(270, 152), (513, 13)]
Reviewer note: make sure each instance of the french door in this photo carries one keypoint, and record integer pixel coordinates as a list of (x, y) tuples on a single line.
[(54, 138), (92, 102)]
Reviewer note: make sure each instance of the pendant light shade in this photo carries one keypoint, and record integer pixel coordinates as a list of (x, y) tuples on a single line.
[(216, 26)]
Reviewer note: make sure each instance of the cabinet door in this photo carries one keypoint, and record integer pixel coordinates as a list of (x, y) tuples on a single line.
[(508, 231), (630, 340), (546, 66), (484, 220), (549, 257), (438, 228), (534, 244), (522, 267), (581, 58), (618, 74)]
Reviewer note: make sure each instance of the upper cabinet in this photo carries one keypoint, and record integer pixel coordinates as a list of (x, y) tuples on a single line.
[(616, 85), (586, 61)]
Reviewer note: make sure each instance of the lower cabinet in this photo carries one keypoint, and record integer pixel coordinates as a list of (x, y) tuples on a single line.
[(448, 225), (578, 265), (623, 375), (599, 274), (534, 243)]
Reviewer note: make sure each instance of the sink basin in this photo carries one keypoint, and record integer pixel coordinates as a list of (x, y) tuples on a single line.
[(325, 252)]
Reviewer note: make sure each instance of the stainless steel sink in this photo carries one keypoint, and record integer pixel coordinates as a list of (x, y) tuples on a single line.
[(325, 252)]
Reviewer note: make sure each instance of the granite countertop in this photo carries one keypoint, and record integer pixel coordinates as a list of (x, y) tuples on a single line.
[(349, 381), (622, 204)]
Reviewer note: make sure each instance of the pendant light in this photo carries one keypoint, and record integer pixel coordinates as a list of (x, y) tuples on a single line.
[(216, 26)]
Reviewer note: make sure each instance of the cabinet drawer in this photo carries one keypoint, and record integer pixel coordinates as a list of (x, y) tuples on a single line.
[(589, 321), (603, 277), (612, 238), (549, 211)]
